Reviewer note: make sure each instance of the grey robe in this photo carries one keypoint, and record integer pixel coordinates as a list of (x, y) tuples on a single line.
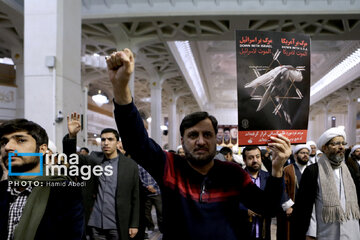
[(348, 230)]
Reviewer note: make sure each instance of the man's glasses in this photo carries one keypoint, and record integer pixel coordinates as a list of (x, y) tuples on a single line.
[(336, 144)]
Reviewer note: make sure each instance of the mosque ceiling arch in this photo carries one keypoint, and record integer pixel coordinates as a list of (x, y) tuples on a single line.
[(209, 27)]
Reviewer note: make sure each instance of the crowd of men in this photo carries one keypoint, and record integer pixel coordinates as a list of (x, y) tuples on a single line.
[(196, 194)]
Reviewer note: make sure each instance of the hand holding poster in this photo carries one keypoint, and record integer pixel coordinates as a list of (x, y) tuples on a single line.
[(273, 75)]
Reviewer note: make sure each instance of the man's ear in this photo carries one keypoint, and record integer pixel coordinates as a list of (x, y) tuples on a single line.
[(43, 148), (182, 141), (323, 148)]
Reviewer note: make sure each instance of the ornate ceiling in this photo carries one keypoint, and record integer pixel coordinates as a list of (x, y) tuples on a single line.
[(148, 25)]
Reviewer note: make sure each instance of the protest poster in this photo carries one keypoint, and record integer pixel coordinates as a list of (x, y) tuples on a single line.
[(273, 81)]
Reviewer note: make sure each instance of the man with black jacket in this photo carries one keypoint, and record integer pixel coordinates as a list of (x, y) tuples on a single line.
[(30, 206), (111, 202)]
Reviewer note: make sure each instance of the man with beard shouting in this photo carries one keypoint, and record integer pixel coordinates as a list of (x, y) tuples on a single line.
[(328, 184), (292, 176), (200, 195), (258, 226)]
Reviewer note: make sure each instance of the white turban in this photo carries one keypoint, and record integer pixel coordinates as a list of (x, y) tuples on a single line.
[(52, 147), (178, 147), (318, 152), (311, 143), (354, 148), (330, 134), (298, 147)]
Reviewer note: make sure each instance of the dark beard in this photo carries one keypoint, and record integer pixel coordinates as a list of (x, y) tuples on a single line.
[(198, 162), (253, 170), (355, 157), (22, 168), (301, 162), (312, 155), (25, 167)]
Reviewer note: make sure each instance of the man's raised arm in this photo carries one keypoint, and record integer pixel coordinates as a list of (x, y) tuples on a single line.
[(129, 123)]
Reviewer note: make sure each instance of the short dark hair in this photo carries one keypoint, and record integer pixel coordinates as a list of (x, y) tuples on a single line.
[(111, 130), (32, 128), (85, 149), (225, 150), (194, 118), (249, 148)]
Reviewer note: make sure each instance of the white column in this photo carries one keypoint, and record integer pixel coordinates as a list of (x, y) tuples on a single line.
[(18, 58), (311, 127), (156, 132), (326, 116), (84, 132), (351, 119), (179, 118), (173, 125), (52, 31)]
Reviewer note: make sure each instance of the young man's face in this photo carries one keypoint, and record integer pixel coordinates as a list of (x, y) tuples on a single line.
[(109, 144), (22, 142), (253, 160), (199, 143), (229, 157), (302, 156)]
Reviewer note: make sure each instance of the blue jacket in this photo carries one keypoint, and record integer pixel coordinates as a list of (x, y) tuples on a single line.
[(266, 219)]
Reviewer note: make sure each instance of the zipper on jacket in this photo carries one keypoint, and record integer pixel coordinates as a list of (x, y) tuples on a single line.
[(203, 190)]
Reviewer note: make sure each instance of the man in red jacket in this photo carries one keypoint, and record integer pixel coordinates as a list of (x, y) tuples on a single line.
[(201, 195)]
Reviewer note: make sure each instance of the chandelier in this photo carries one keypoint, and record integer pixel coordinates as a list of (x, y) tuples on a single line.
[(100, 99)]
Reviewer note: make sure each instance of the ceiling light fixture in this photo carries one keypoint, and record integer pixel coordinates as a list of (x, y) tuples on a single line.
[(7, 61), (183, 54), (347, 64), (145, 99), (100, 99), (94, 60)]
